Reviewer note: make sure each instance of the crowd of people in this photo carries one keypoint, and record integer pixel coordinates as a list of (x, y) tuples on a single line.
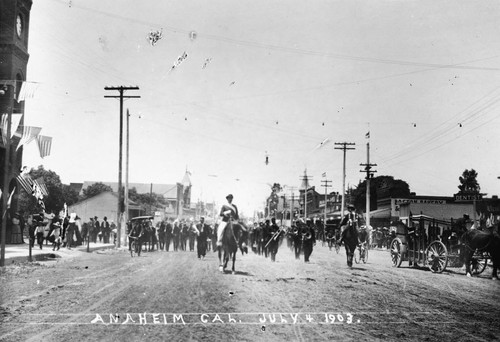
[(67, 231)]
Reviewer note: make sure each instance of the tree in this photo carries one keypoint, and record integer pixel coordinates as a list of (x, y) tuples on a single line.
[(58, 193), (468, 182), (95, 189), (152, 200), (380, 187)]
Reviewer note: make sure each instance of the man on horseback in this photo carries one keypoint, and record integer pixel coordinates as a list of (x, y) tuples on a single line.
[(347, 221), (228, 212)]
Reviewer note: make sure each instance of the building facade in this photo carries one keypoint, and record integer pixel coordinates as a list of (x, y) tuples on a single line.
[(14, 33)]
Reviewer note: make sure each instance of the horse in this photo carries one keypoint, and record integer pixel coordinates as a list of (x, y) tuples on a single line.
[(350, 239), (235, 236), (482, 241)]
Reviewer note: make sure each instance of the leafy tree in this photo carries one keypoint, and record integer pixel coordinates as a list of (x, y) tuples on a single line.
[(95, 189), (152, 200), (58, 193), (468, 182), (70, 195), (380, 187)]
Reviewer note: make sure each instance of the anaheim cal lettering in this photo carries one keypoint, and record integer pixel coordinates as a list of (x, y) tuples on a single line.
[(140, 319), (207, 318)]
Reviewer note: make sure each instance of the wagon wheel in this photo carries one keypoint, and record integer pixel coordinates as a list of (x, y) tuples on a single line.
[(437, 256), (478, 264), (357, 255), (132, 248), (396, 255)]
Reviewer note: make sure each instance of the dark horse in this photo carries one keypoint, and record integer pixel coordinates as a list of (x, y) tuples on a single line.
[(350, 239), (235, 236), (481, 241)]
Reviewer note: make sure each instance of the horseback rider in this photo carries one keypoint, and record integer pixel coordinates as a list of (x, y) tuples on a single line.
[(228, 212), (347, 221)]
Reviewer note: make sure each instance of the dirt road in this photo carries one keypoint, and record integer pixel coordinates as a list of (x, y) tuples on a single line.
[(173, 296)]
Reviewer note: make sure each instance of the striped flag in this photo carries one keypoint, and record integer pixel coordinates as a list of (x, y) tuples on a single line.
[(44, 145), (41, 184), (15, 120), (367, 135), (29, 133), (323, 174), (27, 91), (26, 183)]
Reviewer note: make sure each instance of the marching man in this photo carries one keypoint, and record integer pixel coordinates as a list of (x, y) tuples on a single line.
[(228, 212)]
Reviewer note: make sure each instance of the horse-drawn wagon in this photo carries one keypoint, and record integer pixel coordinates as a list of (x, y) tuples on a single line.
[(138, 233), (425, 241)]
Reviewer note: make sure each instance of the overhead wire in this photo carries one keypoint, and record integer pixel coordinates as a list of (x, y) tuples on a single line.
[(445, 129), (284, 48)]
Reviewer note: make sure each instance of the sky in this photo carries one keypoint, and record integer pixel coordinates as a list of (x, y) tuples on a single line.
[(268, 78)]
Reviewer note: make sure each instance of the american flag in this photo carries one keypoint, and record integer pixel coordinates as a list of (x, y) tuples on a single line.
[(44, 145), (29, 133), (41, 184), (26, 183), (28, 90)]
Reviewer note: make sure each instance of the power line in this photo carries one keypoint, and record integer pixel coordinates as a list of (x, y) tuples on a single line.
[(285, 48)]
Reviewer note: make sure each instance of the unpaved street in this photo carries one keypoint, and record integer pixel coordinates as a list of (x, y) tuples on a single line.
[(173, 296)]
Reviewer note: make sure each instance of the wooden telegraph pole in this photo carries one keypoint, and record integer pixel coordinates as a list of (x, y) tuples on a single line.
[(369, 175), (121, 96), (326, 185), (344, 148)]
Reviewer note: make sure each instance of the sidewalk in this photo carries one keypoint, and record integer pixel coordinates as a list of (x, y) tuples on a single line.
[(20, 252)]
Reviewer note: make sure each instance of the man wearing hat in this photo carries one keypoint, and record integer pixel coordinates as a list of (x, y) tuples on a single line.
[(202, 235), (56, 233), (347, 221), (228, 212)]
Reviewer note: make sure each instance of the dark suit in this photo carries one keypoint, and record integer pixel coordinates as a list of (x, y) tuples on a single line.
[(201, 239), (308, 244), (273, 242)]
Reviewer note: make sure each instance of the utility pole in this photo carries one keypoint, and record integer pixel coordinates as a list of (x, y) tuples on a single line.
[(126, 177), (292, 189), (344, 148), (369, 175), (326, 186), (121, 96)]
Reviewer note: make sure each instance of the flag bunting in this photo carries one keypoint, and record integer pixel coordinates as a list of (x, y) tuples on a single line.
[(41, 184), (44, 145), (27, 91), (26, 183), (29, 133)]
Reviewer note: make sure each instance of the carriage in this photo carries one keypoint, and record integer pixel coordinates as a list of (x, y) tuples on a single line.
[(427, 242), (136, 234)]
